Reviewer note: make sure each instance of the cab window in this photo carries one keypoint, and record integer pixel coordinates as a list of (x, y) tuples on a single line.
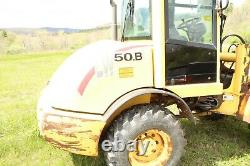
[(191, 20), (136, 19)]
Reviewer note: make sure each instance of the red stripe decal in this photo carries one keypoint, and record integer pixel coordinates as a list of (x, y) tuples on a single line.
[(86, 80), (132, 47)]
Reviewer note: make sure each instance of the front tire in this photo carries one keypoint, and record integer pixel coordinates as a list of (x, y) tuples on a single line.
[(148, 123)]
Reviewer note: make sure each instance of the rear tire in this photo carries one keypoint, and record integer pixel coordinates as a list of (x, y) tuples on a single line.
[(136, 122)]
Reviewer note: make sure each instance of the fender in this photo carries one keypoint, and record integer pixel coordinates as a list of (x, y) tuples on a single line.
[(181, 104)]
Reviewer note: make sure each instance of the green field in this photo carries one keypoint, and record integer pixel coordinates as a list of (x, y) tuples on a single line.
[(22, 77)]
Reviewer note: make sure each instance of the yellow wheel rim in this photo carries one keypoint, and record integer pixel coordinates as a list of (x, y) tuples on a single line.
[(159, 151)]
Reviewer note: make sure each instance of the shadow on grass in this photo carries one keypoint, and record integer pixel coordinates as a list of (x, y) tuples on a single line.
[(209, 142)]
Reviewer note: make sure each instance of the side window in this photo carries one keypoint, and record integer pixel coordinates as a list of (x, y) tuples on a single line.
[(136, 19), (191, 20), (142, 20)]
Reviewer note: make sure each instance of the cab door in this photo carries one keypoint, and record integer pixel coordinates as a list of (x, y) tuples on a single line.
[(191, 47)]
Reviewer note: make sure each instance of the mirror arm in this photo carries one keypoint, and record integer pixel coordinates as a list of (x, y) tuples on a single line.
[(219, 7)]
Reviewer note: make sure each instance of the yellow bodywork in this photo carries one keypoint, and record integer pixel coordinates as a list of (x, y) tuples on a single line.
[(77, 135), (195, 90), (244, 111), (244, 108), (159, 43)]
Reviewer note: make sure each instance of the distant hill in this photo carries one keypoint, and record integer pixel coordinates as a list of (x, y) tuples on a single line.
[(65, 30), (26, 40), (48, 29), (26, 31)]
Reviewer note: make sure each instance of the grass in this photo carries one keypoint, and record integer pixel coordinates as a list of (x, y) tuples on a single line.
[(22, 78)]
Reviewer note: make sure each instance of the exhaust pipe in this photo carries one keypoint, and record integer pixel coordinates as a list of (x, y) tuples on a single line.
[(114, 19)]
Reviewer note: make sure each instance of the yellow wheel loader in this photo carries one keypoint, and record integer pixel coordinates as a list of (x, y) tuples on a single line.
[(124, 97)]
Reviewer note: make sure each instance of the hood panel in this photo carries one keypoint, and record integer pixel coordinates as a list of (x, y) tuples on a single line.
[(92, 78)]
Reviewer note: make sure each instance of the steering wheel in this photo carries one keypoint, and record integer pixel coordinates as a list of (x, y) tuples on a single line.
[(185, 25)]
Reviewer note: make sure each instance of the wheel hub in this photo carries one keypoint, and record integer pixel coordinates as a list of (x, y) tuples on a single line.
[(158, 152)]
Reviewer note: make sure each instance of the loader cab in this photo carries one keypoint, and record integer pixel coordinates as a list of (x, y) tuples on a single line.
[(190, 36)]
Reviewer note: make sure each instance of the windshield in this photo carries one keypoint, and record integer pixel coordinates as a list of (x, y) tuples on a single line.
[(135, 19)]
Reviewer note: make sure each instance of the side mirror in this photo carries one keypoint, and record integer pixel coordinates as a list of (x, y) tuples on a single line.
[(222, 5)]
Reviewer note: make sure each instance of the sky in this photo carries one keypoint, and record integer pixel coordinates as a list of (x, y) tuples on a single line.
[(79, 14), (54, 13)]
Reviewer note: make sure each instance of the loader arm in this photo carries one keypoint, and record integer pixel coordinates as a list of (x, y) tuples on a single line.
[(236, 97)]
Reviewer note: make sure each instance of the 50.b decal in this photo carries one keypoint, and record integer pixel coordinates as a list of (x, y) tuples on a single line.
[(119, 57)]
